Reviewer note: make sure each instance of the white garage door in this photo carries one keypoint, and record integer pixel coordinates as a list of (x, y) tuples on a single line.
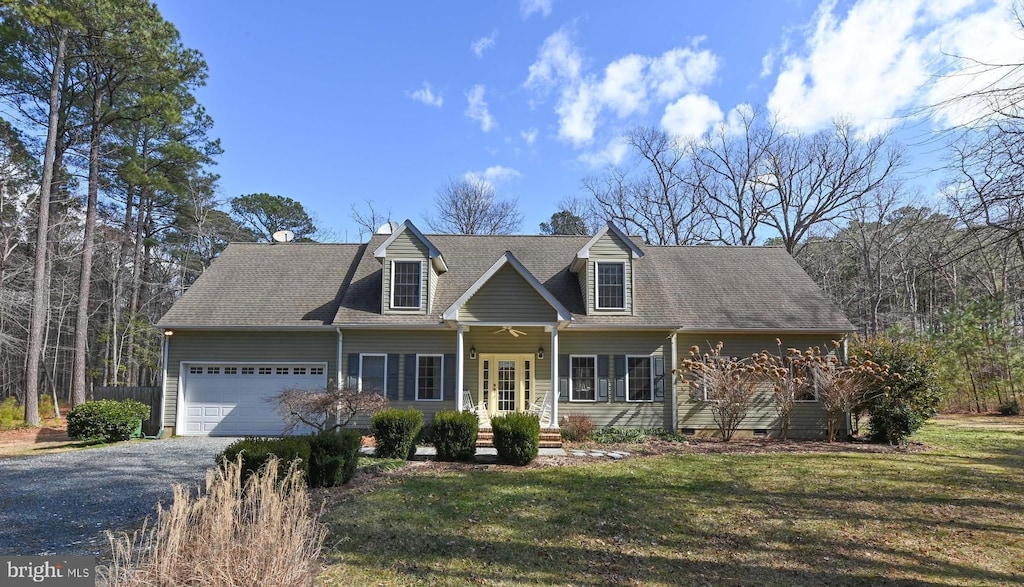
[(230, 399)]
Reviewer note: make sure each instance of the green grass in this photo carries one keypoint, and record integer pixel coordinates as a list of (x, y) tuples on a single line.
[(953, 515)]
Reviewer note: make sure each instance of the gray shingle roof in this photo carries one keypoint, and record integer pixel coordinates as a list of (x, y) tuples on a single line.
[(699, 288)]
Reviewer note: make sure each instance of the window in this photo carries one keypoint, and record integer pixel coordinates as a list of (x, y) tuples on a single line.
[(265, 370), (248, 370), (429, 370), (372, 372), (611, 286), (582, 379), (231, 370), (316, 370), (213, 370), (195, 370), (282, 370), (299, 371), (639, 387), (405, 284)]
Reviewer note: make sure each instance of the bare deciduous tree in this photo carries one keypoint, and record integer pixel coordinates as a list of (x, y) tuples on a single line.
[(325, 408), (728, 385), (369, 219), (470, 206)]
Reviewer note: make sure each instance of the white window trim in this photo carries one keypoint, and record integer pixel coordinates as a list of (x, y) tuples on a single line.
[(392, 284), (597, 287), (361, 355), (650, 377), (572, 389), (417, 379)]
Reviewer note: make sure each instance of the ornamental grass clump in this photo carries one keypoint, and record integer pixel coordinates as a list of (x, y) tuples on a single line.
[(516, 437), (262, 532), (395, 431), (454, 435)]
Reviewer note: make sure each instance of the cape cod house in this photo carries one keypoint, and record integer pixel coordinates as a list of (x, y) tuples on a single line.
[(549, 324)]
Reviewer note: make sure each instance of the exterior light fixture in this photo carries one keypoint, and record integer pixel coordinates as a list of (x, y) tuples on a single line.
[(168, 333), (540, 352), (472, 352)]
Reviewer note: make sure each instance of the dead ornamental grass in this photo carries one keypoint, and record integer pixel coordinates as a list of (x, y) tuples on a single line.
[(264, 534)]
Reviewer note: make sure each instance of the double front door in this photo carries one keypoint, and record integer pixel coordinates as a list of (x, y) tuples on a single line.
[(506, 383)]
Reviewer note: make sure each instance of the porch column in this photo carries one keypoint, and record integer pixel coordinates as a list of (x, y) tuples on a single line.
[(554, 377), (459, 378), (675, 382)]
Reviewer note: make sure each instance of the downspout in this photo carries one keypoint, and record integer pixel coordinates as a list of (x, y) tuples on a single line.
[(675, 381), (337, 411), (164, 353)]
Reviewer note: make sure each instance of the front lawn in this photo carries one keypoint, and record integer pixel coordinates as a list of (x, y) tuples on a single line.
[(953, 515)]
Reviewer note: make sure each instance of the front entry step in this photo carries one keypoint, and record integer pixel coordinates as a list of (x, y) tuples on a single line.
[(549, 438)]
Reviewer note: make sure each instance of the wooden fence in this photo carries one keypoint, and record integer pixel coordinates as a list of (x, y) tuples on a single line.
[(147, 395)]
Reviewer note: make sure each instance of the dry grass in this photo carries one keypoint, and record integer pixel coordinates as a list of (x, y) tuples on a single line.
[(265, 533)]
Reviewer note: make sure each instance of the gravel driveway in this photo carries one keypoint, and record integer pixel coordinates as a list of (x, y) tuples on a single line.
[(61, 503)]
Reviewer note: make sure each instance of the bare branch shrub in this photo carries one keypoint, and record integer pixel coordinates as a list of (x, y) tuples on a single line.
[(317, 407), (263, 533), (727, 384), (840, 387), (790, 382)]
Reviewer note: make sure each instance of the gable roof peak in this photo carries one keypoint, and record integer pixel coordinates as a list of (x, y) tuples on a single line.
[(635, 251), (433, 253), (452, 313)]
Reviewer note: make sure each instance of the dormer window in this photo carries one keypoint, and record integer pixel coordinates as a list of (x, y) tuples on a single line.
[(406, 278), (611, 286)]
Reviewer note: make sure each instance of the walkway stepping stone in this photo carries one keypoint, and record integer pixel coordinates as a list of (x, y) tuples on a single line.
[(597, 453), (578, 453), (616, 455)]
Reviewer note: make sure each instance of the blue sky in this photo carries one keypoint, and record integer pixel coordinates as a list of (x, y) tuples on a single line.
[(335, 103)]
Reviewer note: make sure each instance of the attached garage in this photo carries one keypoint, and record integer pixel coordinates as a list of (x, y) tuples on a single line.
[(230, 399)]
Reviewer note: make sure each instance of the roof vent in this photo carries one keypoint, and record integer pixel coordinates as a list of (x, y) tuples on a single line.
[(388, 227), (283, 236)]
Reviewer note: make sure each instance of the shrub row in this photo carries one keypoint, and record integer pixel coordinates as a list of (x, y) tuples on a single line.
[(107, 420), (326, 459), (454, 435)]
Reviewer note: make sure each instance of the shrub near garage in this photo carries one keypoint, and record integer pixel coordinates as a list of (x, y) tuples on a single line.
[(106, 420), (395, 431), (333, 457), (516, 437), (255, 453), (454, 435)]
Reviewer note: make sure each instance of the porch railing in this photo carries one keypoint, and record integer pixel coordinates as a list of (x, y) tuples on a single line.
[(543, 409)]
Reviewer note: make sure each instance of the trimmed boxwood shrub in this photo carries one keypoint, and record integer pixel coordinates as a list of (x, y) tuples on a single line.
[(257, 451), (395, 431), (106, 420), (454, 435), (333, 456), (516, 437)]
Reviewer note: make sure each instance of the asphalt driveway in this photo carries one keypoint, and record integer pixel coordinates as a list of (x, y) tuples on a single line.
[(62, 503)]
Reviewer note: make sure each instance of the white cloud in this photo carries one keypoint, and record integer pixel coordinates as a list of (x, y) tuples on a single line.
[(529, 135), (557, 60), (691, 115), (626, 87), (871, 63), (427, 96), (477, 108), (612, 154), (529, 7), (482, 44), (493, 175)]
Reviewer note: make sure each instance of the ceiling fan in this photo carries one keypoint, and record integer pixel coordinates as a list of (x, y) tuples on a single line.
[(515, 333)]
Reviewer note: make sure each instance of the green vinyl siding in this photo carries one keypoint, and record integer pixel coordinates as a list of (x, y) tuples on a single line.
[(248, 347), (809, 418), (401, 343), (618, 413), (608, 248), (406, 247), (507, 297)]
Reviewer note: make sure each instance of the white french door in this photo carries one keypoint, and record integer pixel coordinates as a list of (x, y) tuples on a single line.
[(506, 383)]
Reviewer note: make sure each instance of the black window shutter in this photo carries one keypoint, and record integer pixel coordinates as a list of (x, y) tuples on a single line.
[(563, 377), (602, 377), (449, 390), (410, 379), (392, 377), (659, 378), (353, 371), (620, 378)]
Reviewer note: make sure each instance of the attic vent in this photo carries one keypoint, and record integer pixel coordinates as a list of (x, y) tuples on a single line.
[(760, 432), (688, 431)]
